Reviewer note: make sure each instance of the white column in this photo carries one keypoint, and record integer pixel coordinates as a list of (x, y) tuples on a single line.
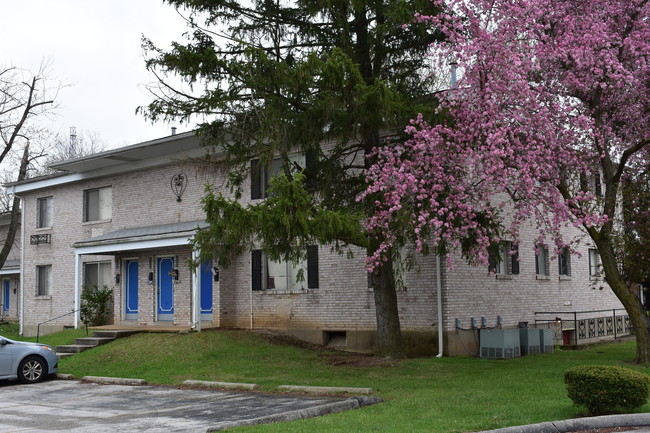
[(77, 289), (196, 293)]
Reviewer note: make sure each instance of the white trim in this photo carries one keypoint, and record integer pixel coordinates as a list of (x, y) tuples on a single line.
[(134, 245), (10, 272), (196, 293), (77, 289), (21, 295), (106, 171)]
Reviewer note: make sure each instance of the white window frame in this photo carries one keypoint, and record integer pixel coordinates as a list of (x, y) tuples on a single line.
[(104, 269), (541, 261), (594, 263), (44, 280), (44, 208), (103, 210), (564, 257)]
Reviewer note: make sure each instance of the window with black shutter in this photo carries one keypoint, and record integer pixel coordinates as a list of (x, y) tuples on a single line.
[(514, 259)]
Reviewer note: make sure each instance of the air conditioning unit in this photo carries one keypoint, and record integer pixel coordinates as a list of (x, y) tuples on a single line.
[(530, 343), (500, 343), (546, 340)]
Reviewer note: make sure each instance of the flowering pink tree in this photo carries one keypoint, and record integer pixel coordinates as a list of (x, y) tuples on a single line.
[(551, 112)]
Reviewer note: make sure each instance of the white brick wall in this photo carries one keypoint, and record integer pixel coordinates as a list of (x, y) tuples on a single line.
[(343, 301)]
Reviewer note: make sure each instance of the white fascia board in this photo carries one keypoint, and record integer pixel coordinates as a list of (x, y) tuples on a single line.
[(133, 246), (108, 171), (10, 272)]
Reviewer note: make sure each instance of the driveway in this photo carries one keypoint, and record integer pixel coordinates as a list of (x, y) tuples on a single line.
[(73, 406)]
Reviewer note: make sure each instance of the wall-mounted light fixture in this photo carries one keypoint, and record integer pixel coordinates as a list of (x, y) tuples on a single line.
[(215, 273), (117, 278)]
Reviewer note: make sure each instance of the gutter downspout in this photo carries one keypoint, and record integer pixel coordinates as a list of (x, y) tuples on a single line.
[(439, 302)]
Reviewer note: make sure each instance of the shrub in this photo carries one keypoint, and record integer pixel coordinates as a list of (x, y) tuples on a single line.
[(606, 388), (95, 305)]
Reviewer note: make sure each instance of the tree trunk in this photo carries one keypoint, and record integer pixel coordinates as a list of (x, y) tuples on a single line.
[(15, 211), (628, 298), (389, 341)]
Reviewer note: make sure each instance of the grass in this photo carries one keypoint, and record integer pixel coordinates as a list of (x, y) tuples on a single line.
[(421, 395)]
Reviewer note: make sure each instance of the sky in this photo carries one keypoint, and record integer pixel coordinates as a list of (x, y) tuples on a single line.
[(94, 47)]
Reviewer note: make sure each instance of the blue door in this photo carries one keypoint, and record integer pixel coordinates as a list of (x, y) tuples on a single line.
[(131, 289), (206, 291), (165, 288), (6, 296)]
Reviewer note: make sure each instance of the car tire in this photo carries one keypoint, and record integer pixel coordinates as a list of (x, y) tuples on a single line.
[(32, 369)]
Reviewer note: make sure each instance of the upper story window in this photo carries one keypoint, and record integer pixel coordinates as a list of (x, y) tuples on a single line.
[(594, 262), (98, 204), (44, 280), (541, 260), (564, 262), (505, 259), (44, 212), (261, 176)]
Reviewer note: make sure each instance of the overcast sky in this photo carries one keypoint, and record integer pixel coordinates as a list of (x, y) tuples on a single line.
[(94, 46)]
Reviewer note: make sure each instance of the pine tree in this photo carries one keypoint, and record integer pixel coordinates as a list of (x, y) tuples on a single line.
[(327, 79)]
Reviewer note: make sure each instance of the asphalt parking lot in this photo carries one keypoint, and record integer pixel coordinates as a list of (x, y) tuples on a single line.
[(74, 406)]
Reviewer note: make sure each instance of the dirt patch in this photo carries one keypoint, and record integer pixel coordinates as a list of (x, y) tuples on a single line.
[(333, 357)]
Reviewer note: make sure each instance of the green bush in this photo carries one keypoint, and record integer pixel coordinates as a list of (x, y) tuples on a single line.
[(95, 305), (606, 388)]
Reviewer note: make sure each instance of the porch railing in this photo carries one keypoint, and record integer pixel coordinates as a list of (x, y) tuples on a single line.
[(38, 326), (584, 325)]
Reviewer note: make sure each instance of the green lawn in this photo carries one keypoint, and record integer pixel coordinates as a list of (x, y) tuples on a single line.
[(422, 395)]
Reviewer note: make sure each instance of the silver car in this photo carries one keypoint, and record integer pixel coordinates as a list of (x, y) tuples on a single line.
[(27, 362)]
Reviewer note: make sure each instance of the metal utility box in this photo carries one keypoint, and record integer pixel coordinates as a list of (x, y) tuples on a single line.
[(530, 341), (546, 343), (500, 343)]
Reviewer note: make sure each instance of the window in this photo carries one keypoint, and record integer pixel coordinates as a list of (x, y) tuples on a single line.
[(504, 260), (97, 274), (269, 275), (564, 262), (541, 260), (44, 216), (98, 203), (594, 262), (44, 280), (261, 176)]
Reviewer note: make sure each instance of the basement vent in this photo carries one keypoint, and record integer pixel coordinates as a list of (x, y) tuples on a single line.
[(500, 343), (335, 338)]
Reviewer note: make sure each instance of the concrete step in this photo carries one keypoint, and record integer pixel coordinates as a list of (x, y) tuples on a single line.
[(72, 348), (114, 334), (63, 354), (93, 341)]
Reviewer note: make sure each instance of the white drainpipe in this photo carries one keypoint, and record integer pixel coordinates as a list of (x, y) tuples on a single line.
[(439, 295)]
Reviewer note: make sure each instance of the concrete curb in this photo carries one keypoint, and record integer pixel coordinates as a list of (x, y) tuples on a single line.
[(223, 385), (114, 380), (577, 424), (61, 376), (325, 409), (324, 389)]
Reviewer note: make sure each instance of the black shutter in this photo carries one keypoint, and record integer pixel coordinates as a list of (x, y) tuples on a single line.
[(256, 269), (312, 267), (514, 259), (256, 180), (310, 168)]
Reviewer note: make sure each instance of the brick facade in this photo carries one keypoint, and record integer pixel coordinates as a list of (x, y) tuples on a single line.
[(342, 306)]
